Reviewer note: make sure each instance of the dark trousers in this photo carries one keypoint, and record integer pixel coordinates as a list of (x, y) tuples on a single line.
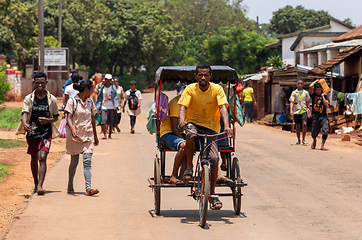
[(133, 121)]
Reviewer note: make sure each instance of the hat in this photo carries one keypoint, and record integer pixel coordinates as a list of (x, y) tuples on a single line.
[(133, 82), (108, 76)]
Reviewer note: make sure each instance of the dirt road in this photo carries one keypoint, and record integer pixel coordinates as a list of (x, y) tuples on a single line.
[(293, 192)]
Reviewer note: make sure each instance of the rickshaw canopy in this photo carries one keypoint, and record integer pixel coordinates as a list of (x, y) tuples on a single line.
[(183, 74)]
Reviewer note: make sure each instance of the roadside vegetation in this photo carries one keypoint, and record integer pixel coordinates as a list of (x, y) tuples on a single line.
[(11, 143), (4, 171), (10, 117)]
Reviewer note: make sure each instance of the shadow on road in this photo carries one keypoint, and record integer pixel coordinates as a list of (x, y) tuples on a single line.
[(192, 216)]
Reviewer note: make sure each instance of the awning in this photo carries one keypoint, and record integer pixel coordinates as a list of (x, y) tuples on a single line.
[(327, 66), (256, 77)]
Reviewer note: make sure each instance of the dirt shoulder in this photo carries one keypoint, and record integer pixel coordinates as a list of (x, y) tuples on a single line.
[(17, 188)]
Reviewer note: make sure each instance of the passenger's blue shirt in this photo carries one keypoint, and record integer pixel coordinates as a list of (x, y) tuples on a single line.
[(68, 82)]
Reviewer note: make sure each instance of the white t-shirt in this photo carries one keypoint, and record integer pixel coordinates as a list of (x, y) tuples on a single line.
[(107, 98), (70, 91)]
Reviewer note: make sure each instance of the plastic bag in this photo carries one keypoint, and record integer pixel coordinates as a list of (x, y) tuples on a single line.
[(62, 128), (98, 118), (151, 121)]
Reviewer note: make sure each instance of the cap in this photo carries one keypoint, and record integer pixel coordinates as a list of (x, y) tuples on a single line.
[(108, 76), (133, 82)]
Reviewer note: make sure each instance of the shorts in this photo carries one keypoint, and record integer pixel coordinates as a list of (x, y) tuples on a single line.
[(300, 118), (35, 145), (109, 116), (318, 123), (212, 151), (171, 141)]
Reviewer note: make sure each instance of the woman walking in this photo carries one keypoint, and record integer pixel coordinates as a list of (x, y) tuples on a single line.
[(133, 103), (81, 134)]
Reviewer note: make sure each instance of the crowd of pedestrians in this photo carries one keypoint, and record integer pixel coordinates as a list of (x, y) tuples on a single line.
[(83, 99)]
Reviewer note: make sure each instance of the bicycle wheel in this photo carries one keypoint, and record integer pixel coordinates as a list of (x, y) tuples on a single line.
[(235, 171), (157, 190), (204, 194)]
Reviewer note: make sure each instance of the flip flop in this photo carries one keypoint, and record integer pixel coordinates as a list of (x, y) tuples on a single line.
[(225, 180), (215, 203), (175, 180), (223, 167), (188, 175), (104, 137), (91, 192), (41, 191)]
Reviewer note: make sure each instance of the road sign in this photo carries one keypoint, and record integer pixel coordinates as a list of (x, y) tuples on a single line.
[(55, 57)]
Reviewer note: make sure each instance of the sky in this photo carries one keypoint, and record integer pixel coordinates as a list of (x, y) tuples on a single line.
[(340, 9)]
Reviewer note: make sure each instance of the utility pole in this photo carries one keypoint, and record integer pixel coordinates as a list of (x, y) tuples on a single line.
[(60, 22), (41, 35)]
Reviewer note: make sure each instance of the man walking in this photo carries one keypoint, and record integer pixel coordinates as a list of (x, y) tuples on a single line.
[(107, 104), (201, 105), (40, 111), (299, 105), (319, 113)]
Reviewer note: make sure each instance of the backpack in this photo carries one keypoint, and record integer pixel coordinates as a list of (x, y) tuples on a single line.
[(133, 101)]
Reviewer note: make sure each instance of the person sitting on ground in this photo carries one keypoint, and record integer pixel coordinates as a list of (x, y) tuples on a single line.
[(171, 137), (107, 104), (299, 105), (81, 134), (319, 114), (201, 105)]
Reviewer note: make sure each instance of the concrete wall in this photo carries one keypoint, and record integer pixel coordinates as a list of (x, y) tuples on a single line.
[(288, 55)]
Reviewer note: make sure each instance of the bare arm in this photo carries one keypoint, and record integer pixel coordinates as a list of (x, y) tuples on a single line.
[(182, 117), (254, 99), (94, 131), (24, 118), (71, 125), (311, 87), (291, 107), (44, 120), (225, 119), (174, 127), (325, 101)]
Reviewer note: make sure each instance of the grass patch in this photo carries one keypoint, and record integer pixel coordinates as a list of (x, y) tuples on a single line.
[(10, 117), (11, 143), (4, 170)]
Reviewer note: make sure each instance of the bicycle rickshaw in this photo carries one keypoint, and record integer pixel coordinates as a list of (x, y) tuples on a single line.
[(200, 184)]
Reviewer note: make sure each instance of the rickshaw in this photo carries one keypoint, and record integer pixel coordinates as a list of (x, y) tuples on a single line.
[(201, 182)]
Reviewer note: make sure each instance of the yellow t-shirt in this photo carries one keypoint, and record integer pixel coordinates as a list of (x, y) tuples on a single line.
[(203, 107), (173, 111), (247, 94)]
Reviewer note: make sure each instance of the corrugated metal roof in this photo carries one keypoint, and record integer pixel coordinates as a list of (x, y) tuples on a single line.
[(353, 34), (325, 67), (332, 45)]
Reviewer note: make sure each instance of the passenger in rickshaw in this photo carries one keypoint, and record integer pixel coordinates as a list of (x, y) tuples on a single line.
[(172, 138), (201, 104)]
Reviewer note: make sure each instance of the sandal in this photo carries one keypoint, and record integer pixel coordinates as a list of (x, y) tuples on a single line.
[(41, 191), (175, 180), (70, 190), (305, 143), (223, 167), (215, 203), (188, 175), (298, 143), (225, 180), (91, 192)]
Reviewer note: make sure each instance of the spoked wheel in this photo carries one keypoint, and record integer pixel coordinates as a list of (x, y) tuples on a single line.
[(204, 194), (157, 180), (235, 174)]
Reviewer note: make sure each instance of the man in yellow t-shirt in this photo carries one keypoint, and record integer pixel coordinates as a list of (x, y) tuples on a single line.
[(201, 105), (172, 138), (248, 102)]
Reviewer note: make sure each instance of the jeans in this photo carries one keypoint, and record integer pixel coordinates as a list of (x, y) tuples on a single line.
[(87, 160), (133, 121), (249, 106)]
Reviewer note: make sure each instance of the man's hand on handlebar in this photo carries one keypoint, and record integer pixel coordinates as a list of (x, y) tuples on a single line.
[(182, 125), (229, 132)]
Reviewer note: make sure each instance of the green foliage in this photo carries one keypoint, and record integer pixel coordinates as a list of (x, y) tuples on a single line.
[(275, 61), (348, 21), (290, 19), (244, 51), (4, 86), (4, 170), (10, 117), (141, 80), (11, 143)]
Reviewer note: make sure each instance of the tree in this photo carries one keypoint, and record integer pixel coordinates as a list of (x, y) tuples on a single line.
[(244, 51), (289, 19), (4, 86)]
